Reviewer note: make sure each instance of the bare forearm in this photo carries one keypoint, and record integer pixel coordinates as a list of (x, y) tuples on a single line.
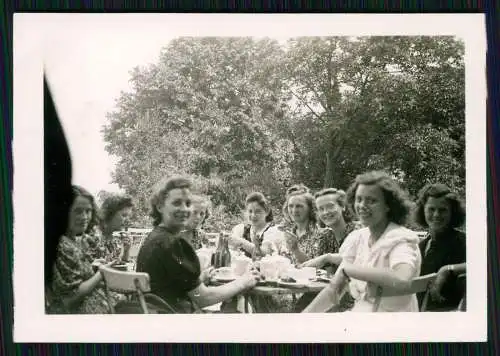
[(214, 295), (458, 268), (323, 301), (379, 276), (242, 243), (85, 289)]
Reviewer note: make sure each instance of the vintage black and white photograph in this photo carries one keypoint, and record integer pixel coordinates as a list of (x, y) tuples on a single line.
[(218, 170)]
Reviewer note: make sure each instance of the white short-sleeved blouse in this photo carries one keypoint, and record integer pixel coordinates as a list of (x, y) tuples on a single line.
[(396, 245)]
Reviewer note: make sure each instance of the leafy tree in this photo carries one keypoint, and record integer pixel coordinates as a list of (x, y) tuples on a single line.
[(394, 103), (205, 110)]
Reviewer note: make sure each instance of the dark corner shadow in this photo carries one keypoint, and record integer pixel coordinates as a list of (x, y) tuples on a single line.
[(57, 180)]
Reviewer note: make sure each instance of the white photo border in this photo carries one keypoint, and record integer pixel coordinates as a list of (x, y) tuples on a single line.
[(31, 324)]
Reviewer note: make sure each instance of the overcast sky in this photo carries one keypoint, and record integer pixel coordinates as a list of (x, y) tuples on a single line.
[(88, 66)]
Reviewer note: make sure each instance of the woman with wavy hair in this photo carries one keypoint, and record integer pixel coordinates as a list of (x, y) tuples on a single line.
[(170, 260), (114, 216), (300, 226), (440, 210), (382, 254), (258, 236), (77, 287)]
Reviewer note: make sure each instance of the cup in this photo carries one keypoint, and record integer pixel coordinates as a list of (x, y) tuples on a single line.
[(307, 273), (204, 255), (241, 264)]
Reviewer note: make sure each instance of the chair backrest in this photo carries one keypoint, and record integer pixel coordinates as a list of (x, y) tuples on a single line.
[(418, 285), (125, 282)]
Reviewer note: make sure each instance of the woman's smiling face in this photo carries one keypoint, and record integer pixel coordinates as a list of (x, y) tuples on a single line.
[(176, 208), (329, 210), (437, 213), (256, 214), (298, 209), (80, 216), (370, 205)]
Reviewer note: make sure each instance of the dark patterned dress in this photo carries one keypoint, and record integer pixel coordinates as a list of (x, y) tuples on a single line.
[(72, 267), (98, 247), (320, 241)]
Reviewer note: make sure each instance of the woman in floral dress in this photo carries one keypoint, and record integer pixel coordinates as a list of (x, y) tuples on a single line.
[(333, 217), (77, 288)]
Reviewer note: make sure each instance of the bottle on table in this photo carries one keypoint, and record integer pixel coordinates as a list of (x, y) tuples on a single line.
[(222, 255)]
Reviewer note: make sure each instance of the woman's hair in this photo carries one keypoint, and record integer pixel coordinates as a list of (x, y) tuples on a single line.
[(340, 198), (297, 188), (394, 196), (300, 190), (82, 192), (438, 190), (260, 199), (205, 201), (113, 204), (160, 192)]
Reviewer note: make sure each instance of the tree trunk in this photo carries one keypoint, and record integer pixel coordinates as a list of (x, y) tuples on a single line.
[(328, 171)]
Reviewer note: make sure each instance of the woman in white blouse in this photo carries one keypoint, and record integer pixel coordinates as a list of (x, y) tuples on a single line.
[(257, 237), (382, 254)]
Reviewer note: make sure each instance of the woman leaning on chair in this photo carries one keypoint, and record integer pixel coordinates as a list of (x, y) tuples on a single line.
[(77, 288), (382, 254), (170, 260), (443, 250)]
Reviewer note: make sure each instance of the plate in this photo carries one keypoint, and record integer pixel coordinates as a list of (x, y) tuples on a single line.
[(224, 279), (322, 279), (291, 284)]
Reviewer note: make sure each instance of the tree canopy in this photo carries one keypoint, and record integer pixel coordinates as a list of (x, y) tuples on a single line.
[(244, 114)]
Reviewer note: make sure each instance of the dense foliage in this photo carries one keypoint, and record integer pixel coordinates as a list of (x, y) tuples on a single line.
[(241, 114)]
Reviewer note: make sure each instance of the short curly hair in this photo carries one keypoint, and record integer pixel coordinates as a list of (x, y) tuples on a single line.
[(439, 190), (160, 192), (395, 197), (309, 198), (259, 198), (340, 198), (205, 201), (94, 219), (113, 204)]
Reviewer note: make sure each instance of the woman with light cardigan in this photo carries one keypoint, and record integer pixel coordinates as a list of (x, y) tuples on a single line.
[(382, 254)]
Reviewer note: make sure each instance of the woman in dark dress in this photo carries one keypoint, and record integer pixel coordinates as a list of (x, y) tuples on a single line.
[(440, 210), (171, 261)]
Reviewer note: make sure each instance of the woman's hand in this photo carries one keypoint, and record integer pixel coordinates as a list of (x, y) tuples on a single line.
[(317, 262), (441, 278), (292, 241), (250, 279), (106, 265), (268, 247), (207, 274)]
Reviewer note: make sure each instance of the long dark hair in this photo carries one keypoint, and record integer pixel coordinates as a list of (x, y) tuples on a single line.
[(82, 192), (438, 190)]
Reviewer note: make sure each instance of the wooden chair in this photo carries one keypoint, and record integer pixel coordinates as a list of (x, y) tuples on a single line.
[(131, 284), (418, 285)]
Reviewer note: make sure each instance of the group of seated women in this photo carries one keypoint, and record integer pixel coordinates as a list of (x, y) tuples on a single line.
[(318, 231)]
